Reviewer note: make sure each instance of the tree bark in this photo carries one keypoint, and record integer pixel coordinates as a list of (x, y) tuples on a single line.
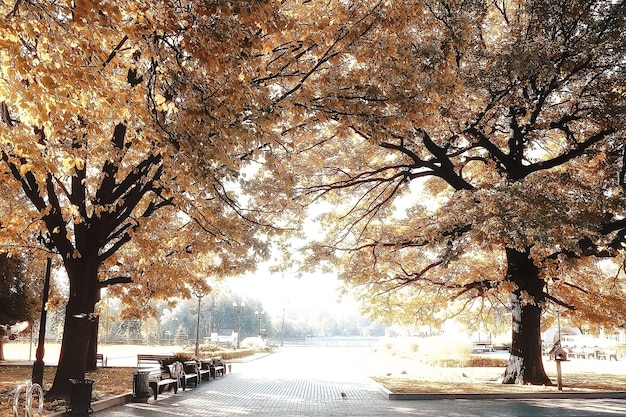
[(79, 320), (93, 345), (525, 364), (93, 340)]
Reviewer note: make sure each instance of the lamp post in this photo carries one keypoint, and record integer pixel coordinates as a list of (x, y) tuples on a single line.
[(259, 315), (38, 364), (238, 309), (198, 293), (174, 330), (282, 329)]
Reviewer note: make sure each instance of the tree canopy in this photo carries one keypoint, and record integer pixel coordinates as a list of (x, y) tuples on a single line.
[(135, 129), (470, 154), (121, 183)]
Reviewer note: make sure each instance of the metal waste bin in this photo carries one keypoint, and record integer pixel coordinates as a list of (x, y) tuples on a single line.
[(141, 386), (80, 397)]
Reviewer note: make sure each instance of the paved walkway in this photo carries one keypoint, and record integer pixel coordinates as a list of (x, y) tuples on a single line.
[(302, 382)]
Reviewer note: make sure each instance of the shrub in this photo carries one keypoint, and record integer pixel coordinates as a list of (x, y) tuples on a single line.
[(210, 351), (255, 343), (445, 350), (178, 357)]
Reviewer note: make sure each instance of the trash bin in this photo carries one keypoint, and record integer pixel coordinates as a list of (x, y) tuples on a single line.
[(141, 386), (80, 397)]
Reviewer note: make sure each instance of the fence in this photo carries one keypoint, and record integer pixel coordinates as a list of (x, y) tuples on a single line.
[(326, 341)]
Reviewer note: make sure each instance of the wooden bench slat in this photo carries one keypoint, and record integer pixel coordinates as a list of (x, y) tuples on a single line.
[(151, 359)]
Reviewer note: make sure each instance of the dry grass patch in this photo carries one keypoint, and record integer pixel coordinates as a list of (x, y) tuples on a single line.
[(578, 382), (439, 365), (109, 382)]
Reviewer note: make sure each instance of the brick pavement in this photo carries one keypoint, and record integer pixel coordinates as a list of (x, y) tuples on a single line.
[(303, 382)]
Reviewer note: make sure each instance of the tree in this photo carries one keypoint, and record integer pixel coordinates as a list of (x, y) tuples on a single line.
[(469, 154), (126, 125), (18, 299), (181, 338)]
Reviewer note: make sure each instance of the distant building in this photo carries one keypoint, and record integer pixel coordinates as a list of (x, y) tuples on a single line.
[(226, 337)]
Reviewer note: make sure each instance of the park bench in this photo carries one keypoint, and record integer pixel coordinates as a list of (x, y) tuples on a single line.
[(606, 354), (190, 373), (101, 360), (204, 370), (219, 366), (582, 352), (165, 376), (151, 359), (482, 347), (215, 366)]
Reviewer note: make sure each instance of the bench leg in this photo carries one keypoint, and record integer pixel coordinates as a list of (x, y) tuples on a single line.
[(155, 389)]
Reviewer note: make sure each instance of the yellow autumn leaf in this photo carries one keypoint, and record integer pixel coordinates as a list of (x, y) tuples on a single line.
[(26, 168), (159, 99), (73, 210), (69, 163)]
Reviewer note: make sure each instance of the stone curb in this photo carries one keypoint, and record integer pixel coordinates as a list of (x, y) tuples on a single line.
[(102, 404), (390, 395)]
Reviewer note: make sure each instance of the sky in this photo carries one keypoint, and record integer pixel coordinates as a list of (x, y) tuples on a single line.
[(310, 292)]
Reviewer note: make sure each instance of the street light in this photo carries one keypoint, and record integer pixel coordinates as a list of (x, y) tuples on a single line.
[(282, 329), (174, 330), (238, 309), (38, 364), (259, 315), (198, 293)]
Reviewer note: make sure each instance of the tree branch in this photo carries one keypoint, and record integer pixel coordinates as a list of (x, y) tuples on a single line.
[(114, 281)]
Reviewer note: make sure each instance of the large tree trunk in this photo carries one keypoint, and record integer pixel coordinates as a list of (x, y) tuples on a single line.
[(93, 345), (525, 363), (93, 341), (77, 327)]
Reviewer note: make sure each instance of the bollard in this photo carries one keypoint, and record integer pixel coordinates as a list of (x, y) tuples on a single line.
[(141, 386), (229, 368), (80, 397)]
